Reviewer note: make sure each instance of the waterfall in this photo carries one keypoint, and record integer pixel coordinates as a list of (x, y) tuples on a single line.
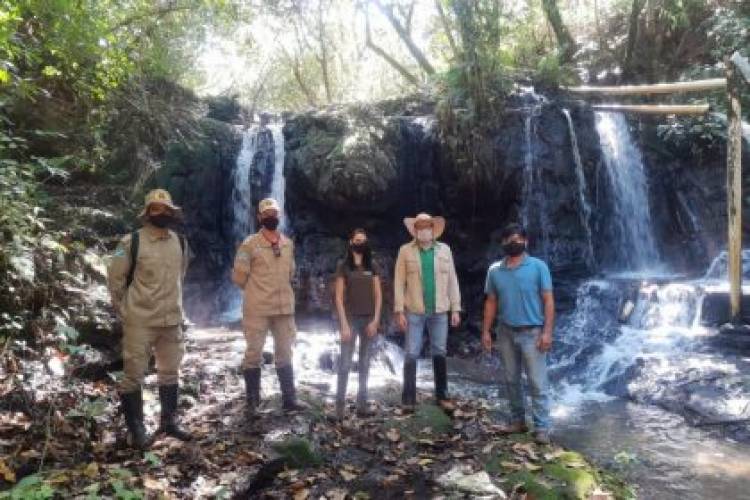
[(634, 241), (244, 222), (533, 187), (584, 209), (278, 185)]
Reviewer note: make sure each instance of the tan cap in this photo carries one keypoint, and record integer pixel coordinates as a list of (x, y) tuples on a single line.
[(161, 196), (438, 224), (268, 204)]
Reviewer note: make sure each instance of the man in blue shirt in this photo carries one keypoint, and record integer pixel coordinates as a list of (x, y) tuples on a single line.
[(519, 293)]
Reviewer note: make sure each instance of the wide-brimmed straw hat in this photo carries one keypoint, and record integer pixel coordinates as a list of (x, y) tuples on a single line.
[(438, 224), (161, 196)]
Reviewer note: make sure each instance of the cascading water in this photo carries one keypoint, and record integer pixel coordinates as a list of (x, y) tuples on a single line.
[(243, 222), (254, 139), (584, 209), (533, 187), (635, 245), (278, 185)]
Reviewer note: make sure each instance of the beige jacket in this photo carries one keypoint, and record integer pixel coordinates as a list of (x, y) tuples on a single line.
[(154, 298), (407, 280), (266, 280)]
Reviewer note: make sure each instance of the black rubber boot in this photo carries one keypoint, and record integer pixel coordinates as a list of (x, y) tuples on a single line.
[(440, 373), (288, 393), (252, 389), (169, 426), (132, 408), (409, 397)]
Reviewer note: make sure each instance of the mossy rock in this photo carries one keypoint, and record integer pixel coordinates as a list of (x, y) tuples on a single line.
[(494, 464), (533, 486), (580, 481), (297, 453), (425, 416)]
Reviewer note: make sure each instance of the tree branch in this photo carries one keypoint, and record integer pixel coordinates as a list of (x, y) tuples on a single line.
[(406, 38), (411, 78)]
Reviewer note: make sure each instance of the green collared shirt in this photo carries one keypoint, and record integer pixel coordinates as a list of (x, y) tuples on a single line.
[(427, 259)]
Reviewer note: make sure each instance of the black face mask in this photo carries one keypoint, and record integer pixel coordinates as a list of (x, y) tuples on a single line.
[(270, 223), (360, 248), (160, 220), (514, 248)]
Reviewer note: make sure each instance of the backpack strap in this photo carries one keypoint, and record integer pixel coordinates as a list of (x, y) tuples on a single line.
[(134, 242)]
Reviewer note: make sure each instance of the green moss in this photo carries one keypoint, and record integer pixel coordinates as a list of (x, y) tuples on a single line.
[(533, 487), (493, 465), (431, 416), (580, 481), (297, 452)]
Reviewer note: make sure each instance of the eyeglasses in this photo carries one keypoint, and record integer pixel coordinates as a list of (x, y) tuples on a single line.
[(276, 249)]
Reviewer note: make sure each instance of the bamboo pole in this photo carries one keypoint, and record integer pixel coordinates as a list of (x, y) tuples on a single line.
[(656, 109), (734, 194), (656, 88)]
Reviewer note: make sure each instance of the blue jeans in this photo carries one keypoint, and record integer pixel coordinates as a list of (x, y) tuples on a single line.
[(518, 347), (437, 326), (358, 325)]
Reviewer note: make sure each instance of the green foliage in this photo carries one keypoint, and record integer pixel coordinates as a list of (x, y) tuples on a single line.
[(297, 453), (29, 488)]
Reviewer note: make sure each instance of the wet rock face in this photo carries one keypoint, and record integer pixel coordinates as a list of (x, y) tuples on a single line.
[(361, 167), (199, 177), (687, 176)]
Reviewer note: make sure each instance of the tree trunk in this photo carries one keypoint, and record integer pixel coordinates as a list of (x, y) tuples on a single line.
[(323, 57), (415, 51), (408, 75), (564, 38), (635, 13), (447, 29)]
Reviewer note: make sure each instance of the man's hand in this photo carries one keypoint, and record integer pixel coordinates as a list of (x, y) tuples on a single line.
[(455, 319), (487, 341), (372, 328), (401, 321), (346, 332), (544, 342)]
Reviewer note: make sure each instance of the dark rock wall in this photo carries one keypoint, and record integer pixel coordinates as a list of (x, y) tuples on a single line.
[(371, 166), (199, 177), (359, 168)]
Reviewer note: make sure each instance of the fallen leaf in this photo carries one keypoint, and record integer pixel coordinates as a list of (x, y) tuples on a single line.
[(393, 435), (301, 494), (91, 470), (425, 461), (526, 449), (458, 454), (511, 465), (348, 476), (531, 467), (599, 494), (7, 473), (488, 449), (390, 480), (336, 494)]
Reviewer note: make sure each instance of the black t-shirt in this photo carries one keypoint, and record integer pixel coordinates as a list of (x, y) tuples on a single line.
[(359, 296)]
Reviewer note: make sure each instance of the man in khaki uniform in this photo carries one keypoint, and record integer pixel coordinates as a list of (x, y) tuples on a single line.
[(263, 268), (147, 296)]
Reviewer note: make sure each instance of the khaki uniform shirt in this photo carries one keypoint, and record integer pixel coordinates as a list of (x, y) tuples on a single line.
[(407, 280), (266, 280), (154, 298)]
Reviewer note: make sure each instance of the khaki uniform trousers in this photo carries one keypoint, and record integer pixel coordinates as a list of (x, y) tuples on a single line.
[(168, 346), (284, 331)]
